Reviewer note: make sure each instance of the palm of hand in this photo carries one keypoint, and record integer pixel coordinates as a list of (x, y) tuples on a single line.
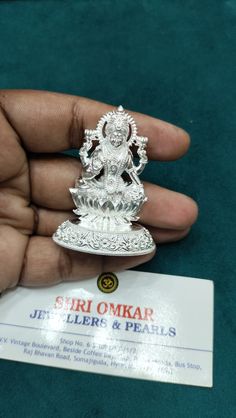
[(34, 183)]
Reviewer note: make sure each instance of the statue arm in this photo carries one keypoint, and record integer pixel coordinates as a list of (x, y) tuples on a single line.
[(94, 166), (132, 170), (141, 142), (90, 136), (90, 170)]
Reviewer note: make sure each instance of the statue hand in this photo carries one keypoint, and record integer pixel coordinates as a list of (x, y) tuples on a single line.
[(34, 186)]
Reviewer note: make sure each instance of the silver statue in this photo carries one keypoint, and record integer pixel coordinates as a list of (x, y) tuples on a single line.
[(109, 194)]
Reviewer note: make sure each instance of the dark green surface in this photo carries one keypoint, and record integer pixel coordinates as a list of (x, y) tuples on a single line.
[(174, 60)]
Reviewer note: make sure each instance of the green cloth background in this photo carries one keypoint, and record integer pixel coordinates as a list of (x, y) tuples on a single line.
[(176, 60)]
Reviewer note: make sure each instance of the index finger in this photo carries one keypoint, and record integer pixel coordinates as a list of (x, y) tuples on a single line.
[(54, 122)]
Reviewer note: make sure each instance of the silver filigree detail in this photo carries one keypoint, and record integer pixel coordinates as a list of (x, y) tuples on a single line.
[(109, 193), (127, 243)]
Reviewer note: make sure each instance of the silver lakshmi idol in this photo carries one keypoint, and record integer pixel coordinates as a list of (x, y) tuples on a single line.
[(109, 194)]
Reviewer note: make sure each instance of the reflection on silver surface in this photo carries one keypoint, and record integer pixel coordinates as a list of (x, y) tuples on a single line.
[(109, 194)]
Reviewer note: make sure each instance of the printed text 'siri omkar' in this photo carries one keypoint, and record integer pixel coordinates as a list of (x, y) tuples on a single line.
[(77, 311)]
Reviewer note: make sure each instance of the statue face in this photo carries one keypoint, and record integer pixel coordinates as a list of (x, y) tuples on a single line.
[(117, 134)]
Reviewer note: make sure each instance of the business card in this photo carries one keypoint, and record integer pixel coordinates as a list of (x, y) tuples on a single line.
[(131, 324)]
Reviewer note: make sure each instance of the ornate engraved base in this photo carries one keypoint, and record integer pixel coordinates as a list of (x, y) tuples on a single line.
[(136, 241)]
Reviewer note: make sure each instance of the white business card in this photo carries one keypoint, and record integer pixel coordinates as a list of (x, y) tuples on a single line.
[(132, 324)]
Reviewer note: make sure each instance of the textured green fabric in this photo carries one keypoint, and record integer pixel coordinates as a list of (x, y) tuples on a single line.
[(176, 60)]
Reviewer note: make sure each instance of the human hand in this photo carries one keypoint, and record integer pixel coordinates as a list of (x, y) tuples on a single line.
[(34, 188)]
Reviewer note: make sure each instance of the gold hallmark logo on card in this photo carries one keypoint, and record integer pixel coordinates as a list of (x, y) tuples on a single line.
[(107, 282)]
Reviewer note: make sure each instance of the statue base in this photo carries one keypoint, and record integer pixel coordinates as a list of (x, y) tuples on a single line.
[(135, 241)]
